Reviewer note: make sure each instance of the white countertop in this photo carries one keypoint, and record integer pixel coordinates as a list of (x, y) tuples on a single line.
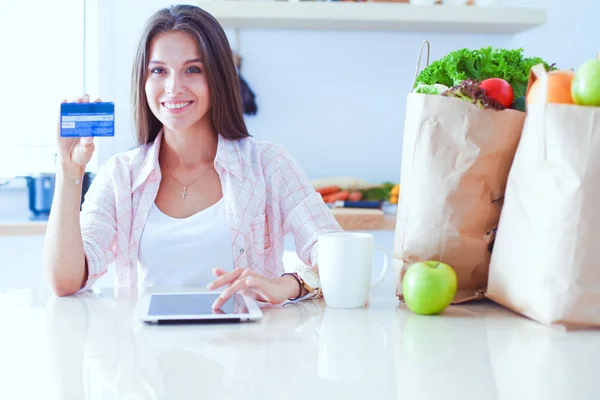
[(91, 346)]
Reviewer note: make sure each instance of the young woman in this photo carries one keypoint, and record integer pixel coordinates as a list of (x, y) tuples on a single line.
[(199, 201)]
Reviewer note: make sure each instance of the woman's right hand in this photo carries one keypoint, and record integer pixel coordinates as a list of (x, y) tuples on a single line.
[(75, 152)]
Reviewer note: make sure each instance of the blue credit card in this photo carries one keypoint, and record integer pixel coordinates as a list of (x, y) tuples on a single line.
[(87, 119)]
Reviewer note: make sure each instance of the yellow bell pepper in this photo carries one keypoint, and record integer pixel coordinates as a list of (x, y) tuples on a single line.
[(394, 194)]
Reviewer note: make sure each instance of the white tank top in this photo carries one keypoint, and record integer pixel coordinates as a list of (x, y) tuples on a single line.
[(183, 251)]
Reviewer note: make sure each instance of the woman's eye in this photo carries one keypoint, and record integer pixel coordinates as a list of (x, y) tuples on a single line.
[(157, 70), (194, 70)]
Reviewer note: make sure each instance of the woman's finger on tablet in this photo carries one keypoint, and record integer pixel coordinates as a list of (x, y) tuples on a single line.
[(226, 279), (251, 293), (239, 285)]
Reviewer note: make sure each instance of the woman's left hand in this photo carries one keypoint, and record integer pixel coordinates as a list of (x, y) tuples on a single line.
[(253, 285)]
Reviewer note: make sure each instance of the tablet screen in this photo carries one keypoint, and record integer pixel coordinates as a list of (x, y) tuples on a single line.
[(194, 304)]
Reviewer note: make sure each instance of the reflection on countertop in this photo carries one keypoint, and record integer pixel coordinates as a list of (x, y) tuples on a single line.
[(91, 346)]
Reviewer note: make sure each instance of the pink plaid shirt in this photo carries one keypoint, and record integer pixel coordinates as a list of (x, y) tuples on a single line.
[(265, 192)]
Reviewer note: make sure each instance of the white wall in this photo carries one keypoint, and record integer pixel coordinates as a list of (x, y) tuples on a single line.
[(571, 35), (336, 99)]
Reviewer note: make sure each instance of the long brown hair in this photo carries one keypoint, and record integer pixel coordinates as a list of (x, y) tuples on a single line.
[(223, 82)]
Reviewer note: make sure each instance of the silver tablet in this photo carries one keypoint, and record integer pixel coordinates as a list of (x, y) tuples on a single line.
[(196, 306)]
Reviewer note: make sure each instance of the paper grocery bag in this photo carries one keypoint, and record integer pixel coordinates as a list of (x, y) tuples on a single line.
[(455, 161), (545, 263)]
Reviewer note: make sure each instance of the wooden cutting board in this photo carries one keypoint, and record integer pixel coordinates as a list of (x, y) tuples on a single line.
[(362, 219)]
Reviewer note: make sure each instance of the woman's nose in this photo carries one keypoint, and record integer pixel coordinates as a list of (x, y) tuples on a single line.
[(173, 86)]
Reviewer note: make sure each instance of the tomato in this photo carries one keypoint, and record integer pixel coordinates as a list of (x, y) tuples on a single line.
[(499, 90)]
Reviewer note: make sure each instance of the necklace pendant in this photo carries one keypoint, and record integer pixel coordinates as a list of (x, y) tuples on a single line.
[(184, 193)]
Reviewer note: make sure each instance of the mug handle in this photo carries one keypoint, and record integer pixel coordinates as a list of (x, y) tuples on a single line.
[(386, 260)]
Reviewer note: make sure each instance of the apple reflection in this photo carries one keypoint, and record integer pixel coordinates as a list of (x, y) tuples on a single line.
[(443, 356)]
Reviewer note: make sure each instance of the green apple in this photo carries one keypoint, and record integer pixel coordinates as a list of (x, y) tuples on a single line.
[(585, 88), (429, 287)]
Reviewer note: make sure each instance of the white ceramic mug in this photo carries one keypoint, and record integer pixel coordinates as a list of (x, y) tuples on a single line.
[(345, 266)]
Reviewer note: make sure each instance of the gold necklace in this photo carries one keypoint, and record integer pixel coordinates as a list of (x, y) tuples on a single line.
[(184, 192)]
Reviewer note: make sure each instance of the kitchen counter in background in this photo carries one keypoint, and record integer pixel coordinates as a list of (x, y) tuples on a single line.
[(351, 219), (17, 209), (22, 228)]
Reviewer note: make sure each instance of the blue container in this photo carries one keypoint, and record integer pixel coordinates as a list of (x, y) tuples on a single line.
[(40, 188)]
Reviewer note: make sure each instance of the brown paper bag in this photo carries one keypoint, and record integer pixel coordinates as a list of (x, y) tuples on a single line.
[(545, 263), (455, 162)]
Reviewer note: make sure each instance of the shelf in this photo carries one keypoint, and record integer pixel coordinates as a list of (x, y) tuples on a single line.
[(373, 16)]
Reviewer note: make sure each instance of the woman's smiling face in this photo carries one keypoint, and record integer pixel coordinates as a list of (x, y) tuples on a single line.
[(176, 85)]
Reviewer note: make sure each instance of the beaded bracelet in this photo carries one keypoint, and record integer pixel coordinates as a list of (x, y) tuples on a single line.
[(299, 284)]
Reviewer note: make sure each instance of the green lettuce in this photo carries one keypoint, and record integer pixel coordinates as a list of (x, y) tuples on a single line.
[(426, 89), (479, 65), (431, 89)]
